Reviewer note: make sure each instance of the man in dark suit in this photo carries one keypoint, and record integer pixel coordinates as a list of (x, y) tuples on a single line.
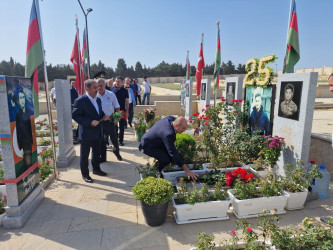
[(159, 142), (74, 93), (87, 112)]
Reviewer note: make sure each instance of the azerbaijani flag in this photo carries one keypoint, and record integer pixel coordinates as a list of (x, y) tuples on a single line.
[(217, 62), (34, 53), (188, 67), (292, 51), (198, 74), (84, 55)]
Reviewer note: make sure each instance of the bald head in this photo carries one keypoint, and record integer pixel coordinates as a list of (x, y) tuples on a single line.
[(180, 125)]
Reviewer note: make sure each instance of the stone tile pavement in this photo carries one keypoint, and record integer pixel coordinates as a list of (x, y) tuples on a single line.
[(104, 215)]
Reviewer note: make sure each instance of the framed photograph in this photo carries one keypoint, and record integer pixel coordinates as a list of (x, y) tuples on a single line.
[(203, 91), (290, 100), (187, 87), (261, 108), (230, 92)]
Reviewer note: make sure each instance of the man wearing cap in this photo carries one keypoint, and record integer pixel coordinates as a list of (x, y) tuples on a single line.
[(147, 90), (122, 97), (109, 105), (87, 112)]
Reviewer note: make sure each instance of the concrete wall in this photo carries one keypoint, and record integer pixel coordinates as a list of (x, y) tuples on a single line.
[(325, 71), (167, 108), (321, 151)]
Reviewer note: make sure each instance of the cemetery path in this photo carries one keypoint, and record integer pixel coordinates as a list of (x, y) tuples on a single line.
[(104, 215)]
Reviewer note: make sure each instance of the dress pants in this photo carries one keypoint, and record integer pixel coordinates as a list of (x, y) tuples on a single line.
[(160, 155), (109, 130), (120, 133), (84, 155), (130, 113)]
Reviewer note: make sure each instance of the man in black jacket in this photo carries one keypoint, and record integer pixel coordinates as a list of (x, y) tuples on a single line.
[(87, 112), (159, 142)]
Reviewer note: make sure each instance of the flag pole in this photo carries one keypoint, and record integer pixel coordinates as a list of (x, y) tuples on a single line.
[(46, 86), (289, 20), (215, 94), (79, 52), (202, 38)]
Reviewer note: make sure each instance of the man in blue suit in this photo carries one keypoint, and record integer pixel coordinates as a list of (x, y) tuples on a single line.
[(159, 142), (87, 112)]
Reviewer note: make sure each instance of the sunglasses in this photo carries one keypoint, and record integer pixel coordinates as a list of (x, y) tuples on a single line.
[(127, 87)]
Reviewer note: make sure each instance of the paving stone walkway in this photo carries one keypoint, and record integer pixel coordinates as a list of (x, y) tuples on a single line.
[(104, 215)]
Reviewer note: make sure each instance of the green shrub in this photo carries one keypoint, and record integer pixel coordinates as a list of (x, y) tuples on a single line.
[(45, 170), (153, 191), (1, 175), (186, 147)]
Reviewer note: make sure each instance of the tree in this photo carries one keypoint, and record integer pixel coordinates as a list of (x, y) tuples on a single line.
[(121, 69), (138, 70)]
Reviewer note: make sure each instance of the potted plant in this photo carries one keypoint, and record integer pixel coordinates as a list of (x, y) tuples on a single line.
[(154, 194), (194, 205), (140, 129), (296, 182), (272, 147), (148, 170), (252, 196)]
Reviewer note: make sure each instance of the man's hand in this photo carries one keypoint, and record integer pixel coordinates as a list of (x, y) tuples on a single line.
[(106, 117), (189, 173), (94, 123)]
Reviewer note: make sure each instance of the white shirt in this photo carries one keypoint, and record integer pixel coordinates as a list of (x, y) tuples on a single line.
[(94, 102), (53, 93), (109, 102), (146, 85), (139, 88)]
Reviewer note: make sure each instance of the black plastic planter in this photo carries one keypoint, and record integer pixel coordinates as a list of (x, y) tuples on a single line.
[(154, 215)]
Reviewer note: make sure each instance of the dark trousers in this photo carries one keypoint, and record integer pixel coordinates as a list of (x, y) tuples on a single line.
[(130, 113), (84, 155), (120, 132), (161, 155), (109, 130), (138, 99)]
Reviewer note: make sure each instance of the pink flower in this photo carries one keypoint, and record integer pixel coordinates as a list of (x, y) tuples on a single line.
[(222, 99), (203, 110), (190, 146), (207, 105), (5, 196), (249, 230), (240, 100), (233, 232), (206, 123)]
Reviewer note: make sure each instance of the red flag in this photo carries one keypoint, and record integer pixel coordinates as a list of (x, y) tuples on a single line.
[(198, 74), (75, 59)]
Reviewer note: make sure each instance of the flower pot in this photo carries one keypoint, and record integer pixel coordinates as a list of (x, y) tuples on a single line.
[(154, 215), (296, 200), (201, 211), (172, 176), (251, 207)]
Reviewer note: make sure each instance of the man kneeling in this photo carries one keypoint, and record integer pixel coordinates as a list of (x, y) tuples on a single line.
[(159, 142)]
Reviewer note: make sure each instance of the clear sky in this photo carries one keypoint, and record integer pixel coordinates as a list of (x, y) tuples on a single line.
[(150, 31)]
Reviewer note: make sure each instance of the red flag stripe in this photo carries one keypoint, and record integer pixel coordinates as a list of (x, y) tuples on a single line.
[(293, 22), (33, 34)]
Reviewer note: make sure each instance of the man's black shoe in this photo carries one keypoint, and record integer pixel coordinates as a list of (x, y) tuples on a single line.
[(121, 143), (118, 156), (130, 125), (87, 179), (100, 173)]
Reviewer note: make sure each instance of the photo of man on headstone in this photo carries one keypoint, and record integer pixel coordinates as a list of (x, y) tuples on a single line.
[(289, 100), (260, 109), (187, 87), (203, 91), (230, 92)]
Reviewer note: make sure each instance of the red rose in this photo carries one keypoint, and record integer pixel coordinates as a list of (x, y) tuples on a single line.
[(240, 100)]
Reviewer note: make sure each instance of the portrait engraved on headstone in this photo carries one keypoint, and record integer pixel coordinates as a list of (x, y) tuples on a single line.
[(187, 87), (230, 89), (203, 91), (290, 100)]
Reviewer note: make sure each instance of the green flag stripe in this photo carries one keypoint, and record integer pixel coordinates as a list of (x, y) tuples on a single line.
[(36, 103), (34, 59), (217, 66), (293, 40)]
